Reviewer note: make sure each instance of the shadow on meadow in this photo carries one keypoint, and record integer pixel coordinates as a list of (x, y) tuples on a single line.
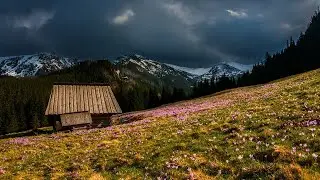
[(35, 132)]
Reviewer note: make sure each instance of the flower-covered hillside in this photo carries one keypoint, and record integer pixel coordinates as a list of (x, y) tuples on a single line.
[(266, 131)]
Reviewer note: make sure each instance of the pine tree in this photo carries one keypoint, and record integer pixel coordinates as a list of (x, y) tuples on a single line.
[(165, 96), (154, 99)]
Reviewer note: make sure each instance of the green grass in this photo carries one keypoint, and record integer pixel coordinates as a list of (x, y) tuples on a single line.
[(246, 133)]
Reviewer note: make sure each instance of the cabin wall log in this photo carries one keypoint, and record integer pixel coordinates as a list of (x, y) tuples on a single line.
[(76, 119)]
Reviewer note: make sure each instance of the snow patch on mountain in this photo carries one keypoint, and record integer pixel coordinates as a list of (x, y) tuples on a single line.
[(193, 71), (221, 69), (242, 67), (148, 65), (229, 69), (32, 65), (136, 67)]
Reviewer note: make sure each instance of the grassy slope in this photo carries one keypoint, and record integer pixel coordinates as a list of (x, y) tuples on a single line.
[(243, 133)]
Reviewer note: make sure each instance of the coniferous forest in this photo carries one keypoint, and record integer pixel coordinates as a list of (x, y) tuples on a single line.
[(23, 100)]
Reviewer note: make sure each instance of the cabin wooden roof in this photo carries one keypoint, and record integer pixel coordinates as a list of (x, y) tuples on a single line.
[(92, 98)]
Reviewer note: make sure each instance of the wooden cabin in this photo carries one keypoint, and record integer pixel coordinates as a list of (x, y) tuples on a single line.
[(74, 105)]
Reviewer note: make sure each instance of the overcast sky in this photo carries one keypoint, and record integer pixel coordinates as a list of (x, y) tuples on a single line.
[(193, 33)]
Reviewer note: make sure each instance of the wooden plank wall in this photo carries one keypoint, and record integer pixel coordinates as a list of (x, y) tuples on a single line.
[(76, 119)]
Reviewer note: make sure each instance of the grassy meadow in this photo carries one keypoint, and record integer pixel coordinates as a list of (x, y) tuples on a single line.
[(269, 131)]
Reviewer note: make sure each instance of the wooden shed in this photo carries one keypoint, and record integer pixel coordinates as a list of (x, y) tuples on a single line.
[(74, 105)]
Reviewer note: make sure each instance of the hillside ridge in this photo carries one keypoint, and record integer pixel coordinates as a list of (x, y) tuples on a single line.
[(265, 131)]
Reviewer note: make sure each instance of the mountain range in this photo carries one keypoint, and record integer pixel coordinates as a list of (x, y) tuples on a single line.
[(33, 65), (131, 67)]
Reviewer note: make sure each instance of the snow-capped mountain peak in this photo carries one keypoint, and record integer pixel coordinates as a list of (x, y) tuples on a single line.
[(229, 69), (137, 68), (141, 63), (144, 65), (31, 65), (221, 69), (193, 71)]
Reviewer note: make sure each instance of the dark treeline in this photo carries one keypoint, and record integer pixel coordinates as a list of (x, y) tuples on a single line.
[(213, 85), (22, 104), (23, 100), (139, 98)]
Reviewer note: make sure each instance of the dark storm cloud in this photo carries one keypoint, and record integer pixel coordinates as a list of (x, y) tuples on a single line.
[(194, 33)]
